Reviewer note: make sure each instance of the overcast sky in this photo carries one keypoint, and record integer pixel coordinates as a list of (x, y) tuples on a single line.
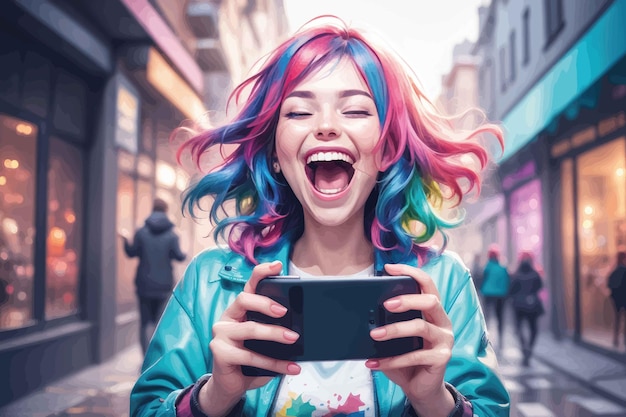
[(422, 31)]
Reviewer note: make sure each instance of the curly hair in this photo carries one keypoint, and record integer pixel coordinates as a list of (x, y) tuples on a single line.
[(422, 154)]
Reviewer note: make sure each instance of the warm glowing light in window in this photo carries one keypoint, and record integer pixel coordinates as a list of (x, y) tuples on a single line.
[(533, 203), (23, 129), (13, 198), (588, 210), (11, 163), (3, 180), (587, 224), (619, 172), (70, 217), (10, 226), (56, 241), (165, 175)]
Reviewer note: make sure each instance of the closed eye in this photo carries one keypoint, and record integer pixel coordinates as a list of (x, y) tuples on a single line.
[(295, 115), (357, 113)]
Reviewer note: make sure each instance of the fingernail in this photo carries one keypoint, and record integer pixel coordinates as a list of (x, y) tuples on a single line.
[(274, 263), (278, 309), (372, 364), (392, 304), (379, 332), (291, 335), (293, 369)]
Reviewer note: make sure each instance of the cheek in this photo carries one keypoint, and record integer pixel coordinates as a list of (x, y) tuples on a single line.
[(284, 146)]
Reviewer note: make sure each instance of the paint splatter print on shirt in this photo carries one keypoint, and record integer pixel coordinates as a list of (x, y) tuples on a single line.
[(327, 389)]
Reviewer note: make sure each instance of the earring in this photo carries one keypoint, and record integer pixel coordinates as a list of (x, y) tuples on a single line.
[(276, 166)]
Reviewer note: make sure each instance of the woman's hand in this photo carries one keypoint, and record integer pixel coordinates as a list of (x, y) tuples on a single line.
[(227, 384), (419, 373)]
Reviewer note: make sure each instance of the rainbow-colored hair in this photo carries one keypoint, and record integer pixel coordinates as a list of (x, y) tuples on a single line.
[(420, 151)]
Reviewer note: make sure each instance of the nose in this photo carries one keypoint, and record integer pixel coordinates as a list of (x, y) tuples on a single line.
[(328, 128)]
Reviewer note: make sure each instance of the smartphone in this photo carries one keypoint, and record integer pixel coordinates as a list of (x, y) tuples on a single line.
[(334, 316)]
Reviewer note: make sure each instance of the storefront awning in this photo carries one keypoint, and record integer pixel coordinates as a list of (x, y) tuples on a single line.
[(592, 56)]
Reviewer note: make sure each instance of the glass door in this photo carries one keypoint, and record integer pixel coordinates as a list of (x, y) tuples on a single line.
[(601, 224)]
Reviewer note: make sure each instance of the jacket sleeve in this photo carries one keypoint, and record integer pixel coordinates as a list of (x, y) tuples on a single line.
[(132, 249), (472, 368), (176, 357), (175, 252)]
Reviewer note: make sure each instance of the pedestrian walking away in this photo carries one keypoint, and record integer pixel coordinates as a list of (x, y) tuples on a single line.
[(495, 289), (527, 305), (339, 160), (156, 245), (617, 292)]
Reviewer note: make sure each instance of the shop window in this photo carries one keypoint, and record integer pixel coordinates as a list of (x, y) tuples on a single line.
[(526, 221), (36, 89), (64, 236), (18, 162), (601, 226), (70, 97), (126, 267), (10, 71)]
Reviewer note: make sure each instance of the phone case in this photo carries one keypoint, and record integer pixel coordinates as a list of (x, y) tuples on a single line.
[(333, 316)]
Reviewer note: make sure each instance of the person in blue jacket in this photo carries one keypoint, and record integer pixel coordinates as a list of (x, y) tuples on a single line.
[(341, 166), (495, 289)]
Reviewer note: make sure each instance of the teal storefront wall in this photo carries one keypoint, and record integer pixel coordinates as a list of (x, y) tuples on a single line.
[(599, 49)]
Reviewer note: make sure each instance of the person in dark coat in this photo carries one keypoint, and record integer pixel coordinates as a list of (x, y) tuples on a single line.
[(528, 307), (156, 244), (617, 288)]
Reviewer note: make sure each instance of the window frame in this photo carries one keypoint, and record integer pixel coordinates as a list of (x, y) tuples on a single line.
[(552, 30)]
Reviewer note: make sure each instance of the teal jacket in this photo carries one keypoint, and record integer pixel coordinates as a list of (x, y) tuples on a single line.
[(179, 352), (496, 280)]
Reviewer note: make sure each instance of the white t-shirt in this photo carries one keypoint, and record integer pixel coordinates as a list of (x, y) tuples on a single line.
[(327, 388)]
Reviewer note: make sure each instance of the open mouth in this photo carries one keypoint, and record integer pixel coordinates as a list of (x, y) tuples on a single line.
[(329, 172)]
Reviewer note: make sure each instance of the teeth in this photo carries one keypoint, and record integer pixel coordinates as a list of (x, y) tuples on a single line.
[(329, 156), (330, 191)]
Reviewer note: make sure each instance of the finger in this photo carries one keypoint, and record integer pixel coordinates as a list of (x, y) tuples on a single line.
[(437, 358), (245, 302), (262, 271), (428, 304), (427, 285), (252, 330), (234, 356), (429, 332)]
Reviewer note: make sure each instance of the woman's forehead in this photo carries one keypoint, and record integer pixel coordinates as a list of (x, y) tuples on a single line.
[(336, 75)]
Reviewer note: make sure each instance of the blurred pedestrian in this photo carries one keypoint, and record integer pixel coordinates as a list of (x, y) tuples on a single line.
[(617, 288), (495, 289), (156, 244), (525, 286)]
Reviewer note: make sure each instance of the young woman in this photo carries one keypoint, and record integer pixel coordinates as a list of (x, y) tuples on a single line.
[(340, 169)]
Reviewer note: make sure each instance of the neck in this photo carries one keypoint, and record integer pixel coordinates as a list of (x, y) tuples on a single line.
[(333, 250)]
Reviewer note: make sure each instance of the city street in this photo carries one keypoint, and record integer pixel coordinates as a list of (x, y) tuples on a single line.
[(595, 387)]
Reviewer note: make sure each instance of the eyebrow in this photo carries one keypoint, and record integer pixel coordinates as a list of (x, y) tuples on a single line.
[(342, 94)]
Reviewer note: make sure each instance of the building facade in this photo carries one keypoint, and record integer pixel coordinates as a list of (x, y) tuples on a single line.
[(89, 95), (554, 73), (459, 98)]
